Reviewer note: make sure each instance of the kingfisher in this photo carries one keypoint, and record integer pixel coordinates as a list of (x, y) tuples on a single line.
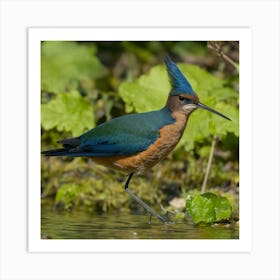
[(134, 143)]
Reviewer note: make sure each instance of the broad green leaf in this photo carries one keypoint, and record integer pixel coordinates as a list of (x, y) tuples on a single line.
[(202, 209), (219, 125), (151, 90), (208, 208), (147, 93), (225, 94), (223, 209), (68, 112), (201, 80), (64, 63)]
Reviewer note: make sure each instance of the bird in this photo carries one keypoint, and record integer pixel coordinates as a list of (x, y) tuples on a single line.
[(134, 143)]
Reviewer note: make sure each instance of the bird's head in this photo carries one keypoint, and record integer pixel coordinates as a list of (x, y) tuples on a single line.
[(182, 97)]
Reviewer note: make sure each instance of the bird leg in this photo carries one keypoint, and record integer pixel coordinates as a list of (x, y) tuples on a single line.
[(141, 202)]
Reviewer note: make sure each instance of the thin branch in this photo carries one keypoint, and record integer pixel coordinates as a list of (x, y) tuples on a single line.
[(218, 49), (203, 188)]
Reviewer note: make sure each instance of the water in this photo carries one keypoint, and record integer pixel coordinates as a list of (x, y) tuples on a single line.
[(83, 225)]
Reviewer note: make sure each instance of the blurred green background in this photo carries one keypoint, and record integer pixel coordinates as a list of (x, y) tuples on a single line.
[(86, 83)]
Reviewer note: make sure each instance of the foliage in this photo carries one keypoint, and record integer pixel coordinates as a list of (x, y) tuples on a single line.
[(82, 183), (86, 83), (149, 92), (208, 208), (68, 112), (64, 64)]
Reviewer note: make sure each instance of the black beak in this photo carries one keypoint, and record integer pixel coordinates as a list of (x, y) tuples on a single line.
[(200, 105)]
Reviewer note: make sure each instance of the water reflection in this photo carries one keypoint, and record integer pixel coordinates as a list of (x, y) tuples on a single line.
[(82, 225)]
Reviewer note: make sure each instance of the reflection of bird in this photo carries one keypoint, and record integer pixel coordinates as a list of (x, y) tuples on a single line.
[(134, 143)]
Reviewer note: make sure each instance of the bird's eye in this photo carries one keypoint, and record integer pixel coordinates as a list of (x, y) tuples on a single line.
[(181, 98)]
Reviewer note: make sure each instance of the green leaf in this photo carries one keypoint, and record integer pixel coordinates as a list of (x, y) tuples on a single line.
[(208, 208), (223, 209), (147, 93), (64, 63), (68, 112), (202, 210), (150, 92)]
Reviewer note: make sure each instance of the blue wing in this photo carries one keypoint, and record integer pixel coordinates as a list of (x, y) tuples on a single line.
[(124, 135)]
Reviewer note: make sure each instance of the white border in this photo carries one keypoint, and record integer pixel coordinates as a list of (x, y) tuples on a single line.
[(36, 35), (263, 17)]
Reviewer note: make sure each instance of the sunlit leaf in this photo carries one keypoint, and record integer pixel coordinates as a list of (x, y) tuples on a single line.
[(64, 63), (208, 208), (68, 112), (147, 93)]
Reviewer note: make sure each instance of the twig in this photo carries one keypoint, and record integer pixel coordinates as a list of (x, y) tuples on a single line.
[(218, 49), (203, 188)]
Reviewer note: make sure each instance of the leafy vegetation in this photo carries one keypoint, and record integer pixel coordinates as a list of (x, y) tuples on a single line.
[(153, 87), (208, 208), (68, 112), (64, 64), (86, 83)]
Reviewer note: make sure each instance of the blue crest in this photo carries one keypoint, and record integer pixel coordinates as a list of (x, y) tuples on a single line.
[(178, 81)]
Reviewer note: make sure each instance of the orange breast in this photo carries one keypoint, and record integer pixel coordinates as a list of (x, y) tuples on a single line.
[(168, 139)]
